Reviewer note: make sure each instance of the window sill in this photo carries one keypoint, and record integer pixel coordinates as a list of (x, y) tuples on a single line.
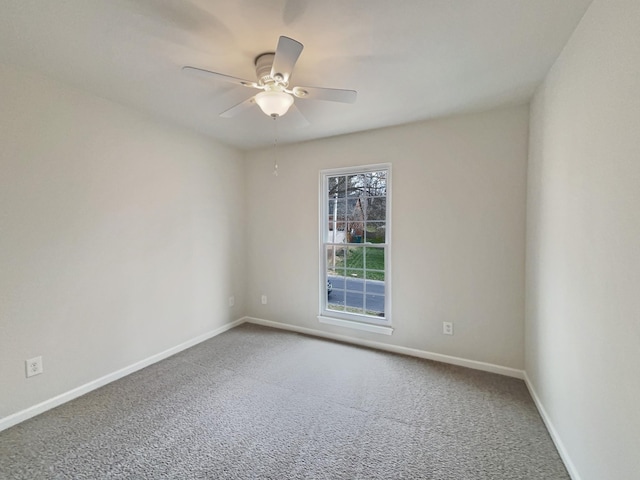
[(367, 327)]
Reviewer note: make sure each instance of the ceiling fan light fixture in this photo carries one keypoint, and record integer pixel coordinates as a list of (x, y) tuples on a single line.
[(274, 103), (273, 72)]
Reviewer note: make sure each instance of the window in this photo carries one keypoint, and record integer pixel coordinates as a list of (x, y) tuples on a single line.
[(355, 237)]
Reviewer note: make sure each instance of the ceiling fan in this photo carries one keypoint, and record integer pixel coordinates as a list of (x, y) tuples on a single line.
[(273, 71)]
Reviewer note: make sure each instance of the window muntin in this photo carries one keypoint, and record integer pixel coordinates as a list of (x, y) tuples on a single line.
[(355, 244)]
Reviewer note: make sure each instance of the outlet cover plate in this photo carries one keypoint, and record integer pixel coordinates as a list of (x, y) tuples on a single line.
[(34, 366)]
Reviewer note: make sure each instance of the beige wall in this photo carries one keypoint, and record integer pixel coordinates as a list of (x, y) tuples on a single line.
[(458, 232), (583, 258), (120, 237)]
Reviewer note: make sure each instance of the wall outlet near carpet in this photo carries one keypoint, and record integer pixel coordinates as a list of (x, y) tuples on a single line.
[(34, 366), (264, 299), (447, 328), (232, 301)]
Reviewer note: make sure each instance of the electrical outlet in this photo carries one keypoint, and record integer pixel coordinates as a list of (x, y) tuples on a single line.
[(264, 299), (232, 301), (34, 366), (447, 328)]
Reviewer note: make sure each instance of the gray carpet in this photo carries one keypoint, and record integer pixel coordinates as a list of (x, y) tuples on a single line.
[(261, 403)]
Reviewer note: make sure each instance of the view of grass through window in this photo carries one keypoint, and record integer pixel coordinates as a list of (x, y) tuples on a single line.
[(356, 260)]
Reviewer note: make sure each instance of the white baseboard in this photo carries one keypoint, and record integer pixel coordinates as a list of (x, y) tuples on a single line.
[(30, 412), (462, 362), (562, 451)]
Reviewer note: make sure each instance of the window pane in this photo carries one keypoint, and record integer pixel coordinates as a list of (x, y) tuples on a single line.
[(345, 295), (355, 221), (335, 292), (374, 305), (376, 208), (354, 300), (355, 257), (354, 279), (332, 207), (336, 222), (337, 215), (374, 258), (337, 187), (330, 254), (340, 210), (354, 208), (376, 183), (374, 275), (375, 232), (335, 260), (338, 306), (356, 185)]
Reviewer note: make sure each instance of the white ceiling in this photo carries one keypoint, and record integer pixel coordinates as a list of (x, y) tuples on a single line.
[(409, 60)]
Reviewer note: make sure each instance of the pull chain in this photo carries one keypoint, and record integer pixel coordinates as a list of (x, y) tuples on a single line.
[(275, 146)]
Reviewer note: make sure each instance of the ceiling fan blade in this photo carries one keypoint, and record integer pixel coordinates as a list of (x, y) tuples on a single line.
[(298, 120), (328, 94), (239, 108), (219, 76), (287, 53)]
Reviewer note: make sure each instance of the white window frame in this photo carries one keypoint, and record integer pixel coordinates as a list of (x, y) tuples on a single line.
[(347, 319)]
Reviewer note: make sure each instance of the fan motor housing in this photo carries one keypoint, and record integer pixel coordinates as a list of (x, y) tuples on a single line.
[(263, 63)]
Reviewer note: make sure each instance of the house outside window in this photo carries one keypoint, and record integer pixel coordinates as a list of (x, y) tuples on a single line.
[(355, 238)]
